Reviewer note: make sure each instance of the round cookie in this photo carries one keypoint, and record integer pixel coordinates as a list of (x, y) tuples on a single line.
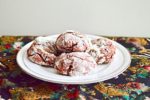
[(72, 42), (75, 63), (42, 51), (102, 50)]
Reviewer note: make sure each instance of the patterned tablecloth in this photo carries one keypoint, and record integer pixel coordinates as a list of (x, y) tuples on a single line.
[(133, 84)]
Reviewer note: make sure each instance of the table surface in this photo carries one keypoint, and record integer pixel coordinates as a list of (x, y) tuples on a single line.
[(133, 84)]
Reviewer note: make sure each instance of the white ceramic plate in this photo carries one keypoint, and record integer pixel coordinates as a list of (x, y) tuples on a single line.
[(120, 63)]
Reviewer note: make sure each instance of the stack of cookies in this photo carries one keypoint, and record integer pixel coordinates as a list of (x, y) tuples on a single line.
[(72, 53)]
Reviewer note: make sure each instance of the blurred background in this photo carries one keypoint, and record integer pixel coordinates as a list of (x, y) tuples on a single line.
[(103, 17)]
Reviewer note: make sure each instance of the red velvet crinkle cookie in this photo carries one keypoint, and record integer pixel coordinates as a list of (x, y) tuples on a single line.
[(42, 51), (72, 42), (75, 63), (102, 50)]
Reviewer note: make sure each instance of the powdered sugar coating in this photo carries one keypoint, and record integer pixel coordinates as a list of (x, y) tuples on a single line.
[(72, 42), (75, 63), (102, 50), (42, 51)]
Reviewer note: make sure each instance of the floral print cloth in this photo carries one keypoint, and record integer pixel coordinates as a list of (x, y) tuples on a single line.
[(133, 84)]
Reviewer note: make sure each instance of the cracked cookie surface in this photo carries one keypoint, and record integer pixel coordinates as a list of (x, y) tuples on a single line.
[(42, 51), (74, 64), (102, 50), (72, 42)]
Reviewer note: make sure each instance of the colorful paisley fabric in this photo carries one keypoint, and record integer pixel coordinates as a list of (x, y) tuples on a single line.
[(133, 84)]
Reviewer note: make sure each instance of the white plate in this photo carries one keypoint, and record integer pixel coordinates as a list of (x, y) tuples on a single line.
[(119, 64)]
